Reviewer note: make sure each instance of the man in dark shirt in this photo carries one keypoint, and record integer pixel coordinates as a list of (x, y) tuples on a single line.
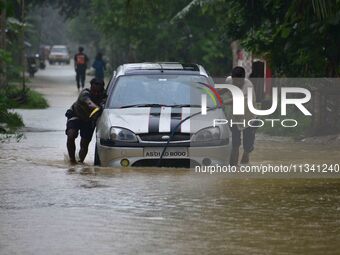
[(79, 118), (80, 65)]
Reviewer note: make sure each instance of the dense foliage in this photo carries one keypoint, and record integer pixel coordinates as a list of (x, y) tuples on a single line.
[(297, 38), (137, 30)]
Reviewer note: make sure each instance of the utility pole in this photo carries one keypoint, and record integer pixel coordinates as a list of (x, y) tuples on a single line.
[(23, 58), (3, 28)]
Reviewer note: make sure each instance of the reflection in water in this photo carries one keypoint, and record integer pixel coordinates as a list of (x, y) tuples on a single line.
[(48, 205)]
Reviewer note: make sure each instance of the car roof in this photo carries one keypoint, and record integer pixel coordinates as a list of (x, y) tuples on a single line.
[(160, 67)]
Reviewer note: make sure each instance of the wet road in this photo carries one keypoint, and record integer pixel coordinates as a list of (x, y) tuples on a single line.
[(48, 207)]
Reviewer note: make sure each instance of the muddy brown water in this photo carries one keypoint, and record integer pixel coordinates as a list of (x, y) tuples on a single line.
[(49, 207)]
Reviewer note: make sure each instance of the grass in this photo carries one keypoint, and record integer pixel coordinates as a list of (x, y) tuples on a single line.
[(14, 97), (10, 122), (28, 99)]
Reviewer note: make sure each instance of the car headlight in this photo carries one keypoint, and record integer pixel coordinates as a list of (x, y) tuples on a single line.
[(207, 135), (122, 135)]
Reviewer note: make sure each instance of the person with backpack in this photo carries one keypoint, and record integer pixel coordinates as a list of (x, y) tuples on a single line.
[(80, 65)]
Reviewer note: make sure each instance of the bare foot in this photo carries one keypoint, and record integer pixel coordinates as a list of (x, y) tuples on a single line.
[(245, 158), (73, 162)]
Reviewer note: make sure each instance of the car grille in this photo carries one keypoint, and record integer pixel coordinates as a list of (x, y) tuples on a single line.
[(157, 137), (182, 163)]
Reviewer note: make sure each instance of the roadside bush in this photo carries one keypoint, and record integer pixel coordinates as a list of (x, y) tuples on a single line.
[(29, 99), (9, 122), (12, 70), (14, 97)]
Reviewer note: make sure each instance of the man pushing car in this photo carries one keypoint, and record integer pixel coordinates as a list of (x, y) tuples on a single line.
[(82, 117)]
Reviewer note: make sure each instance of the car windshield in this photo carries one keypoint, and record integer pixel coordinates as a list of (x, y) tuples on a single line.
[(161, 90), (59, 50)]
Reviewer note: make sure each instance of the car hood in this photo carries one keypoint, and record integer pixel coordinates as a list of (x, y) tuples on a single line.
[(157, 119)]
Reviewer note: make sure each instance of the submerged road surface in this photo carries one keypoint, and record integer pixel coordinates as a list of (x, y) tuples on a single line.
[(48, 207)]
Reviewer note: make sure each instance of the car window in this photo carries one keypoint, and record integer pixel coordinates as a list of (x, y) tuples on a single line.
[(167, 90), (59, 50)]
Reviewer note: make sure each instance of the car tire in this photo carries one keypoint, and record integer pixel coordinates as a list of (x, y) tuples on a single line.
[(96, 157)]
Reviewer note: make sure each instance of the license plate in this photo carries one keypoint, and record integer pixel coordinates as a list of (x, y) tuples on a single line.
[(171, 152)]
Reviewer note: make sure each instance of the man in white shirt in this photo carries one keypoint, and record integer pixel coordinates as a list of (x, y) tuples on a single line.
[(238, 79)]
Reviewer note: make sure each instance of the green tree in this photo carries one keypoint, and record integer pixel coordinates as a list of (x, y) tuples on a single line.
[(298, 38), (141, 31)]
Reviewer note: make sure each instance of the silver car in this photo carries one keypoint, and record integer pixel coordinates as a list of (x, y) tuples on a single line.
[(59, 54), (153, 117)]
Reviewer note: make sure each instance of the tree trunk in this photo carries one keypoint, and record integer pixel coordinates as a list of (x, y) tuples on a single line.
[(235, 45)]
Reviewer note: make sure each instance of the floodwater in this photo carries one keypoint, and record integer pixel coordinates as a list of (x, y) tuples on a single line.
[(49, 207)]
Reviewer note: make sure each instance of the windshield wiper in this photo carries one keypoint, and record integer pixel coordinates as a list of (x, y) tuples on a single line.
[(162, 105), (142, 105), (186, 105)]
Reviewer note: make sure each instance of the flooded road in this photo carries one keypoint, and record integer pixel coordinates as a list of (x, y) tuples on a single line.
[(48, 207)]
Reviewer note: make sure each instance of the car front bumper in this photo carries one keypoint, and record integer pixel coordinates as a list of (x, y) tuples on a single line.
[(59, 58), (112, 156)]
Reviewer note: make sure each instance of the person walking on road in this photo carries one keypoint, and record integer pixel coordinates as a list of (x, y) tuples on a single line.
[(80, 65), (238, 79), (99, 66), (82, 117)]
